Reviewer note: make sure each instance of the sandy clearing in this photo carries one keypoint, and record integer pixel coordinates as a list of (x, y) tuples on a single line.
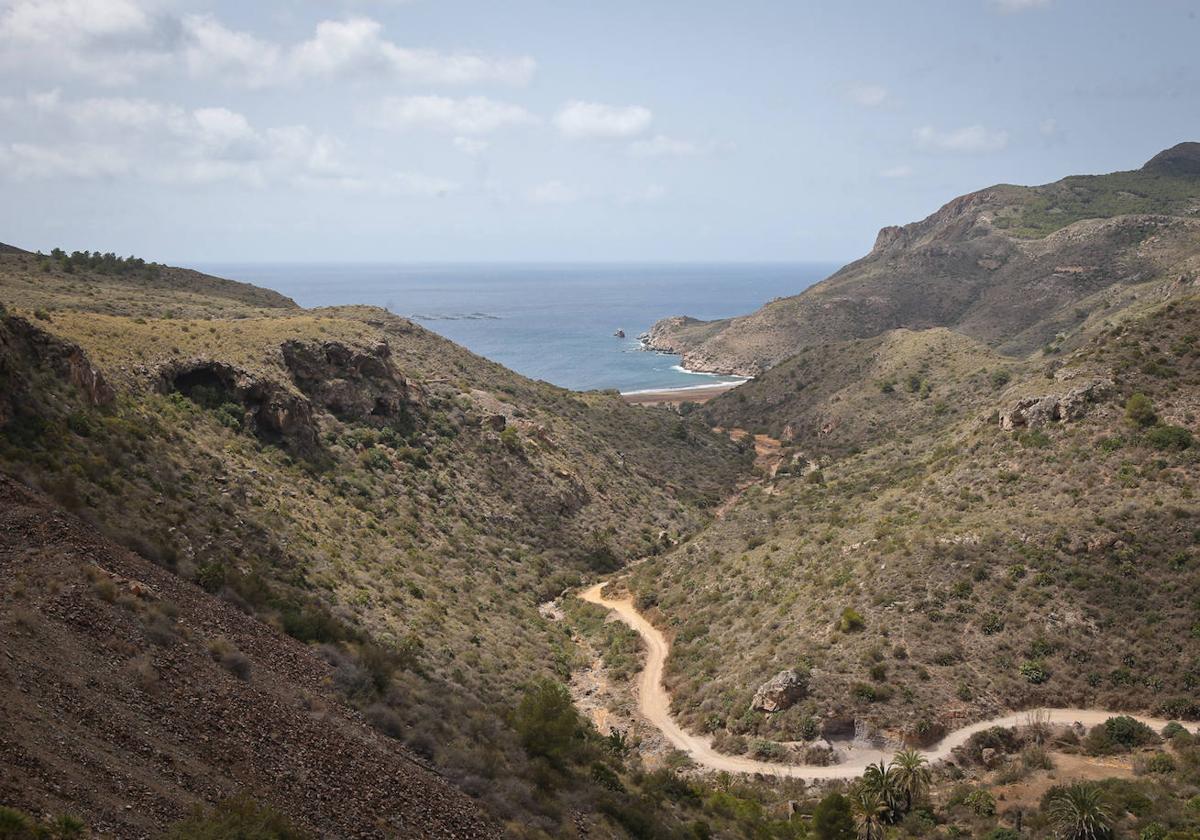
[(655, 704)]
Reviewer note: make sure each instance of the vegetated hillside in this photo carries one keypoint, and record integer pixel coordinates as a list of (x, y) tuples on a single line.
[(93, 282), (853, 395), (1017, 268), (1035, 542), (131, 697), (357, 482)]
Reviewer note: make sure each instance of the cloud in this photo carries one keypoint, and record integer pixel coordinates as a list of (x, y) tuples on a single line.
[(1019, 5), (901, 171), (124, 41), (110, 136), (650, 194), (661, 145), (351, 47), (31, 161), (472, 115), (470, 145), (214, 50), (867, 95), (972, 138), (107, 41), (552, 192), (579, 120)]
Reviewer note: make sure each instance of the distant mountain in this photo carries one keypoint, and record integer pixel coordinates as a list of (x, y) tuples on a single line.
[(1012, 267)]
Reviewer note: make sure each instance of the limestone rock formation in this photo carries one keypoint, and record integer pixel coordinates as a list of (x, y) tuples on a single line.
[(781, 691), (1034, 412)]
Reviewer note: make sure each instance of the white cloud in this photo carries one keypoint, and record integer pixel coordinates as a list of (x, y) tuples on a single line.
[(107, 41), (1049, 127), (32, 161), (579, 119), (650, 194), (472, 115), (214, 50), (108, 136), (867, 95), (354, 46), (972, 138), (901, 171), (660, 145), (1020, 5), (470, 145), (415, 184), (553, 192)]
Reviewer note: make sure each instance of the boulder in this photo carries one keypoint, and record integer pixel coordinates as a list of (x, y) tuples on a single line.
[(781, 691)]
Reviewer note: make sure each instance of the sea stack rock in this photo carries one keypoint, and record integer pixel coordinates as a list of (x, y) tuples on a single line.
[(619, 333)]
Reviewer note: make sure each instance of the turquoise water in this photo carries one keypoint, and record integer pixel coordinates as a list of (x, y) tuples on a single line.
[(551, 322)]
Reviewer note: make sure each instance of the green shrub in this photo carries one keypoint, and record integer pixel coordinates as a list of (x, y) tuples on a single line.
[(1034, 671), (1118, 734), (1140, 411), (850, 621), (981, 803), (547, 723), (1175, 438), (1160, 763), (832, 819), (239, 818)]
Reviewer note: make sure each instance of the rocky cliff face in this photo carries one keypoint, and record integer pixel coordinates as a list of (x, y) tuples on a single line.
[(26, 349), (1010, 266)]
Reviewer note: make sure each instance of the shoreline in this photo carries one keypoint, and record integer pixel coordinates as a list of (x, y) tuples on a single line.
[(675, 396)]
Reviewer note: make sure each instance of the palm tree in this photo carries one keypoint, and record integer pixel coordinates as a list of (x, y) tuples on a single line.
[(1078, 812), (912, 776), (881, 779), (871, 811)]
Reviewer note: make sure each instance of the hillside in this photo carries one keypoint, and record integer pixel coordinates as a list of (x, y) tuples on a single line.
[(1016, 268), (954, 534), (133, 696), (352, 481)]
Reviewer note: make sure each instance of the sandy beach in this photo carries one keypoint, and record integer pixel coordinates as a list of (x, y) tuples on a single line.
[(675, 396)]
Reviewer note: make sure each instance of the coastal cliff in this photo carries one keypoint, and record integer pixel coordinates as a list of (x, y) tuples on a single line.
[(1012, 267)]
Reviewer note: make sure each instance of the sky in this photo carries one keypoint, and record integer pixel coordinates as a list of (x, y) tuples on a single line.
[(561, 130)]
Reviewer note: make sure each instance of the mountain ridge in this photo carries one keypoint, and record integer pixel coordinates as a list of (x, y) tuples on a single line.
[(1006, 265)]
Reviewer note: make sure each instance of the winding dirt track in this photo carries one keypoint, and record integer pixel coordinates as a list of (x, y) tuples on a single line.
[(655, 704)]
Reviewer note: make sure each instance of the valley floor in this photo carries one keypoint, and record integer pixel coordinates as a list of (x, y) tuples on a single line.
[(655, 704)]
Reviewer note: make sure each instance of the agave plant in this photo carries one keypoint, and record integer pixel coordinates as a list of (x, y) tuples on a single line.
[(912, 776), (1078, 812)]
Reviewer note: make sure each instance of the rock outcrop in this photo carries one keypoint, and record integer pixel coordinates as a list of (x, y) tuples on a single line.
[(24, 346), (1035, 412), (272, 411), (781, 691), (352, 383)]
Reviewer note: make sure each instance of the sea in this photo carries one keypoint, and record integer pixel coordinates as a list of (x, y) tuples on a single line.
[(554, 322)]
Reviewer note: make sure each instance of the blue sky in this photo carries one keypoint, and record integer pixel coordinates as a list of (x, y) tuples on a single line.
[(415, 130)]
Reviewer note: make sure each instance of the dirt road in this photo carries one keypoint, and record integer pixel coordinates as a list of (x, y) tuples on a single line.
[(655, 704)]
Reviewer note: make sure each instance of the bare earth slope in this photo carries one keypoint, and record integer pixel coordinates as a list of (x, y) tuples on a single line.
[(116, 711), (1010, 266)]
